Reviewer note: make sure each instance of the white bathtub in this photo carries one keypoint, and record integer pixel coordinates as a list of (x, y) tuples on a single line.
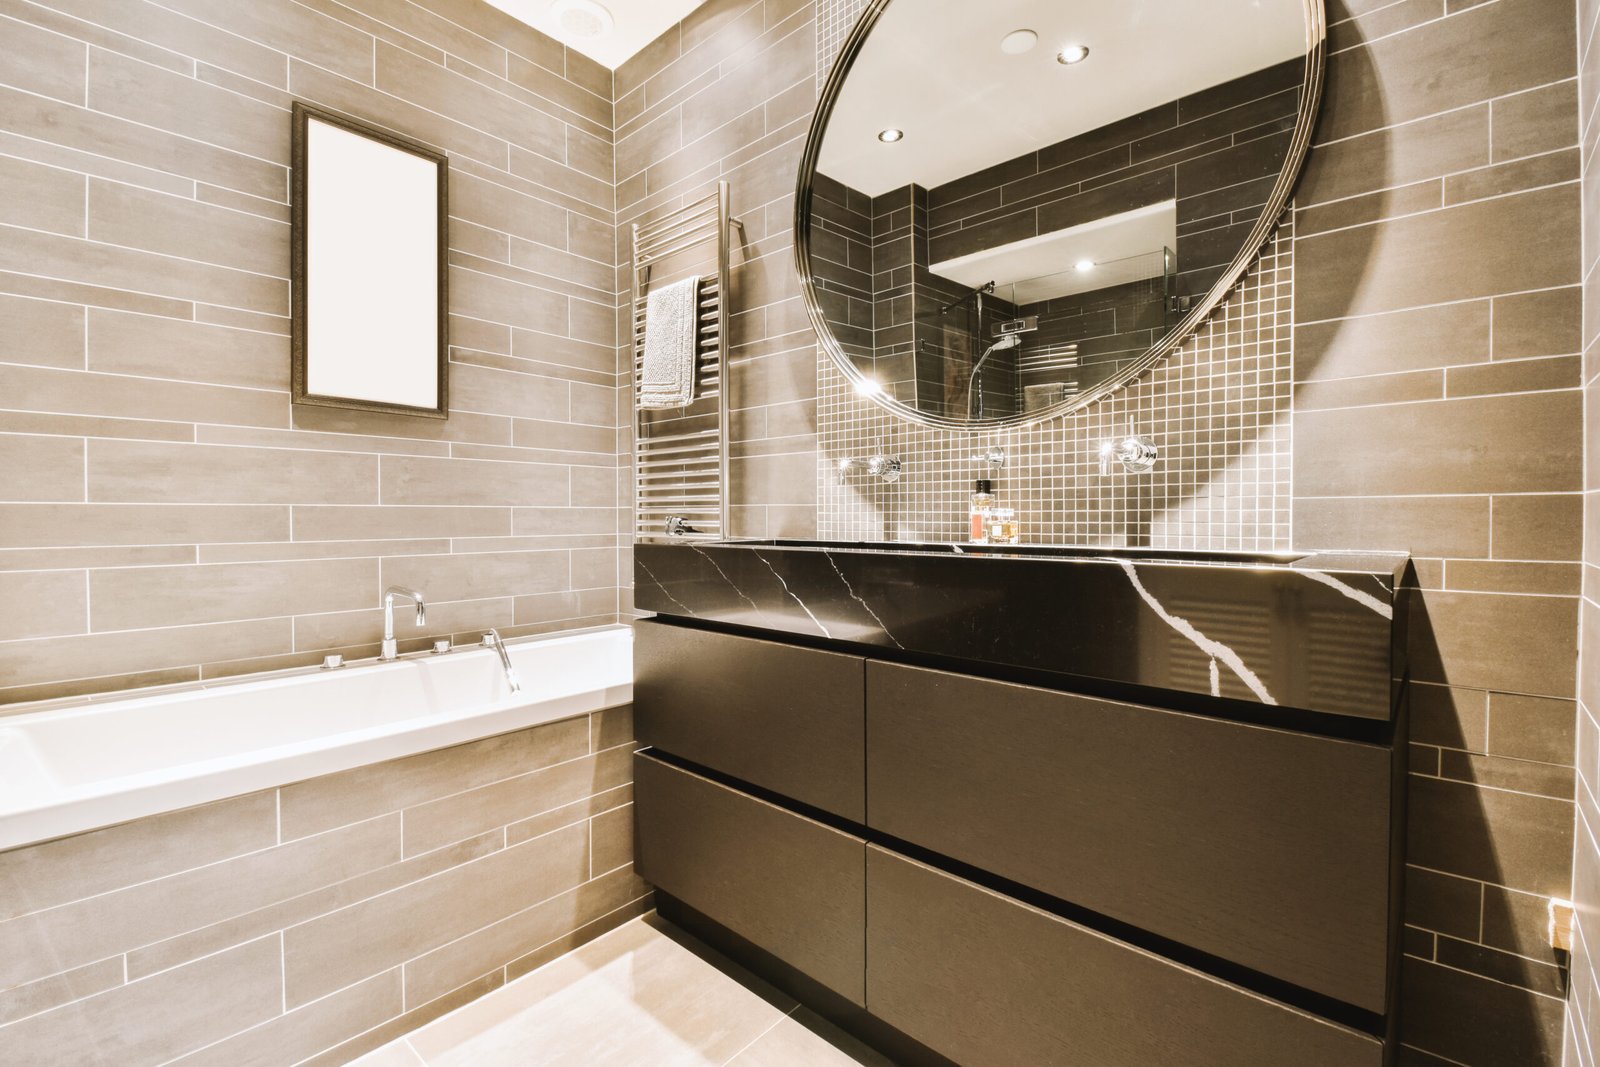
[(85, 766)]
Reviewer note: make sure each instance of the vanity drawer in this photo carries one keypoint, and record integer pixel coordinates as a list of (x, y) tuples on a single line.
[(781, 717), (785, 883), (986, 980), (1261, 846)]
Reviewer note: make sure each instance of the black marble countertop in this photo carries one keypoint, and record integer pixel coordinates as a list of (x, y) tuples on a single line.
[(1319, 632)]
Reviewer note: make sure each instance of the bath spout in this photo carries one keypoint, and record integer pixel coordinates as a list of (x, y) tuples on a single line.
[(390, 648)]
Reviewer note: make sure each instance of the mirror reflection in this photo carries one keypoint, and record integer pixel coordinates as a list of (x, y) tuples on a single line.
[(1015, 204)]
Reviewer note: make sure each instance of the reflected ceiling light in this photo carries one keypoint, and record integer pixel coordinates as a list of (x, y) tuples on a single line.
[(868, 387), (582, 19), (1017, 42), (891, 135), (1073, 53), (1084, 265)]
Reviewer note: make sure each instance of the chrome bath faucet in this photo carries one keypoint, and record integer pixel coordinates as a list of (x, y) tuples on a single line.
[(390, 645)]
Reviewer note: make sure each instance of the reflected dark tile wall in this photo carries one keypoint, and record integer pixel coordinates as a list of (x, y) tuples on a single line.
[(1217, 152)]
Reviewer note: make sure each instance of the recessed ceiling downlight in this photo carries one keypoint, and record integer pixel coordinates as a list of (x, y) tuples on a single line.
[(1017, 42), (1073, 53), (891, 135), (583, 19), (1084, 266)]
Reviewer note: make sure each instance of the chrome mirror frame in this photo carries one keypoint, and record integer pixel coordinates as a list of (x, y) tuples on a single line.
[(1294, 162)]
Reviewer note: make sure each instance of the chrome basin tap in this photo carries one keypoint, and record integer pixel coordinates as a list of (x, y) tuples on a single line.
[(492, 639), (390, 646)]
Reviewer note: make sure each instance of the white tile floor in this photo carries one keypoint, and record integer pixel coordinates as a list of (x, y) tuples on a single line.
[(643, 994)]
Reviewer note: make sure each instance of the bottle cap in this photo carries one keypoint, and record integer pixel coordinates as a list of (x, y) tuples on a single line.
[(983, 485)]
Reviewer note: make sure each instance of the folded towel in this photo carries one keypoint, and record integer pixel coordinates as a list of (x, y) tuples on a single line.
[(670, 325)]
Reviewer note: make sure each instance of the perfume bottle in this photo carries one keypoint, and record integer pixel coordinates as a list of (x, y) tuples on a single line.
[(981, 505), (1003, 527)]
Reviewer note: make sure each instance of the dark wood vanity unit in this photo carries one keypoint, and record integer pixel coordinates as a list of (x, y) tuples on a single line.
[(1035, 806)]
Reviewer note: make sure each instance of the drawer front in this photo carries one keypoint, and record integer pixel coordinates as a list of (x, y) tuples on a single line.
[(789, 885), (986, 981), (787, 719), (1265, 847)]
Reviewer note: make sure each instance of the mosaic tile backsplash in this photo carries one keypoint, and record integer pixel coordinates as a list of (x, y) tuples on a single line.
[(1218, 409)]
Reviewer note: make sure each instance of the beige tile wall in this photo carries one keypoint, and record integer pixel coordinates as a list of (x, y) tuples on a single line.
[(727, 95), (165, 514), (1582, 1044), (313, 922)]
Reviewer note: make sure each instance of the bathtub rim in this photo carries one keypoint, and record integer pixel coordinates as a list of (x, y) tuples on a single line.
[(99, 805), (14, 709)]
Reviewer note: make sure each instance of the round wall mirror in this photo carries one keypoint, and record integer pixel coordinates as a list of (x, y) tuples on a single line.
[(1007, 211)]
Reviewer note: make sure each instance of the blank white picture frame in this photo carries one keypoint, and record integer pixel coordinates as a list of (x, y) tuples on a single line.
[(370, 301)]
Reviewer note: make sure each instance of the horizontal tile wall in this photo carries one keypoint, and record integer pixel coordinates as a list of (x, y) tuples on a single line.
[(311, 923), (1437, 408), (1583, 1043), (165, 514), (727, 95)]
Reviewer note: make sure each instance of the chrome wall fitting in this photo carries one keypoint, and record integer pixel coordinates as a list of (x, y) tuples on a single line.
[(1137, 454), (885, 468), (993, 458)]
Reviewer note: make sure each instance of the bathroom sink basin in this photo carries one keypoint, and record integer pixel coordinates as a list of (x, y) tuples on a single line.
[(1064, 551), (1317, 631)]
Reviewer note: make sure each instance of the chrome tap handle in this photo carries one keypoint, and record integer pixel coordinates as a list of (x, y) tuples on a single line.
[(1136, 454), (886, 468), (994, 458)]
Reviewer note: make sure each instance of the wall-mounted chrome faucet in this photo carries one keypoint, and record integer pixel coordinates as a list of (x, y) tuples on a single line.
[(391, 649), (994, 458), (1136, 454), (884, 468)]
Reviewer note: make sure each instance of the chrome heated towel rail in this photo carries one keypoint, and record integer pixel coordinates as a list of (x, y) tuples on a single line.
[(680, 455)]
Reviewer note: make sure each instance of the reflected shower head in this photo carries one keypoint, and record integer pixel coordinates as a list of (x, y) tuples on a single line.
[(1010, 340)]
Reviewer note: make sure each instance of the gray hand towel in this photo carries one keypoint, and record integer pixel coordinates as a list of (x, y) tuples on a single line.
[(670, 327)]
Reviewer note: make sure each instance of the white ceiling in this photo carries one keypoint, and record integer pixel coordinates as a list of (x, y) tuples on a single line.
[(934, 69), (638, 22)]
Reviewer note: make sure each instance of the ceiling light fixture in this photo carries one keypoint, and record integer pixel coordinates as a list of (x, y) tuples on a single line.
[(1073, 53), (582, 20), (891, 135), (1084, 265), (868, 387), (1017, 42)]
